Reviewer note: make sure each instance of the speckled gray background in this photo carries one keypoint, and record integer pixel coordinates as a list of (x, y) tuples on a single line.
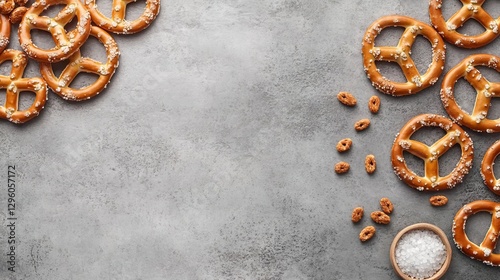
[(211, 154)]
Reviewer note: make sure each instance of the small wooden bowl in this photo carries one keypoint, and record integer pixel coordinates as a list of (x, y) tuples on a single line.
[(422, 226)]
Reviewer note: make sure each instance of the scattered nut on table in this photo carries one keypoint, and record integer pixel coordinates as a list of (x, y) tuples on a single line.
[(357, 214), (438, 200), (344, 145), (380, 217), (342, 167), (347, 98), (370, 164), (362, 124), (367, 233), (374, 104), (386, 205)]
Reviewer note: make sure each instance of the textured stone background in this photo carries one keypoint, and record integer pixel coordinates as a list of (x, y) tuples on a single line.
[(210, 155)]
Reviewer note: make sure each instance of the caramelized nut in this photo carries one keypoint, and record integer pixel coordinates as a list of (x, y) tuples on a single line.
[(6, 6), (344, 145), (438, 200), (17, 15), (362, 124), (370, 164), (367, 233), (357, 214), (387, 206), (380, 217), (374, 104), (346, 98), (342, 167)]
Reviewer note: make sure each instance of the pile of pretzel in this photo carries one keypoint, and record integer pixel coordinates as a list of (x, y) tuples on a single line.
[(477, 120), (91, 22)]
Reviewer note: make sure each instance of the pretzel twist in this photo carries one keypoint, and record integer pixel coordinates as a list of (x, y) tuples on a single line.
[(77, 64), (485, 91), (471, 9), (15, 84), (431, 181), (487, 171), (484, 251), (400, 54), (66, 43), (117, 22), (4, 32)]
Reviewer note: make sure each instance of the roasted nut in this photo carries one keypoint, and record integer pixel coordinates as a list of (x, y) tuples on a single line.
[(362, 124), (374, 104), (380, 217), (357, 214), (6, 6), (346, 98), (438, 200), (21, 2), (342, 167), (370, 164), (344, 145), (367, 233), (387, 206), (17, 15)]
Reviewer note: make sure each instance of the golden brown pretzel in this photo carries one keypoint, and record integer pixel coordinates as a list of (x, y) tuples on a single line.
[(471, 9), (117, 22), (431, 181), (15, 84), (77, 64), (400, 54), (4, 32), (487, 168), (485, 90), (65, 43), (484, 251)]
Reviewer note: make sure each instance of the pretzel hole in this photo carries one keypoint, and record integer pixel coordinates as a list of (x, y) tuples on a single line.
[(94, 49), (449, 160), (450, 7), (26, 99), (477, 226), (471, 27), (496, 167), (42, 39), (428, 135), (391, 71), (135, 9), (71, 25), (389, 37), (3, 95), (421, 53), (53, 10), (83, 80), (414, 164), (465, 95), (6, 68)]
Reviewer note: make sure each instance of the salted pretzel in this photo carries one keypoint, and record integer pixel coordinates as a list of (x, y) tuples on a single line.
[(4, 32), (15, 84), (117, 22), (487, 171), (485, 90), (66, 43), (77, 64), (471, 9), (400, 54), (484, 251), (431, 181)]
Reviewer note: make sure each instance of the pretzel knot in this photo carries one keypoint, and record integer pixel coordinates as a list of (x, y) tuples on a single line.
[(431, 181), (117, 22), (485, 91), (66, 43), (400, 54), (471, 9), (15, 84), (484, 251), (487, 168), (77, 64)]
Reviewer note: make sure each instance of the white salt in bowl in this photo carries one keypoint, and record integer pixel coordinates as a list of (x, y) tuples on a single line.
[(421, 226)]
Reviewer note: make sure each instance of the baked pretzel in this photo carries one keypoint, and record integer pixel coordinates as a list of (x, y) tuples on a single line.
[(77, 64), (431, 181), (66, 43), (487, 168), (485, 90), (15, 84), (4, 32), (484, 251), (471, 9), (400, 54), (117, 22)]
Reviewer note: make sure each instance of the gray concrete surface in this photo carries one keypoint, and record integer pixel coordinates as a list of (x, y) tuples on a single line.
[(210, 155)]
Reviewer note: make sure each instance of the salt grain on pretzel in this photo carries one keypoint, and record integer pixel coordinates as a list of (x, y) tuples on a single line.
[(66, 43), (483, 252), (485, 90), (431, 181), (14, 84), (471, 10), (400, 54), (77, 64), (489, 177), (117, 22)]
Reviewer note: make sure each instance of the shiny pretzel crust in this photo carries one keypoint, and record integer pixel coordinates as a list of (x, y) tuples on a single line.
[(487, 168), (4, 32), (66, 44), (471, 9), (485, 90), (117, 22), (77, 63), (401, 55), (484, 251), (15, 84), (431, 181)]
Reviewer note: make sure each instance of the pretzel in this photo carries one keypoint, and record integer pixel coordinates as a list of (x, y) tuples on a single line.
[(117, 22), (484, 251), (400, 54), (471, 9), (15, 84), (77, 64), (4, 32), (431, 181), (485, 91), (66, 43), (487, 168)]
